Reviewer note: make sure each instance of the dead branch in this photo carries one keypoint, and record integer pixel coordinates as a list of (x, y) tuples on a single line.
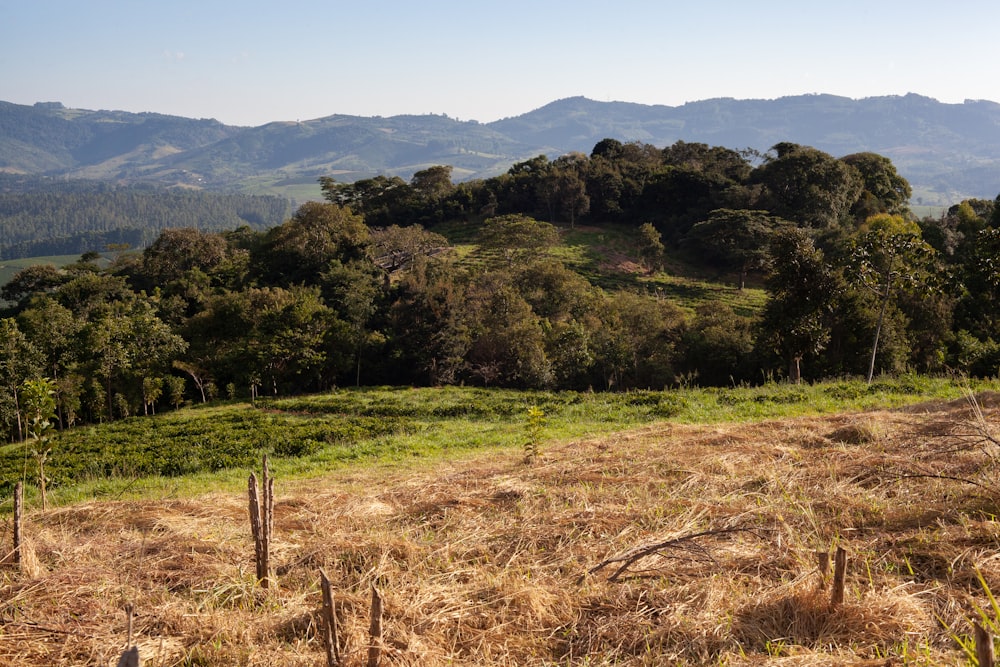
[(684, 543)]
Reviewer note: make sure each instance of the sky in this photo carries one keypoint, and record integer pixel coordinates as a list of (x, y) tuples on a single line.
[(252, 62)]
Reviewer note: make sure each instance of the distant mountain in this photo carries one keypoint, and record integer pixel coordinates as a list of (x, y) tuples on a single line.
[(946, 151)]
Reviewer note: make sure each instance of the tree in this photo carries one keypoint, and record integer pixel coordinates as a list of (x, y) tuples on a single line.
[(802, 292), (128, 342), (300, 249), (428, 335), (808, 186), (287, 336), (20, 360), (38, 397), (378, 200), (517, 237), (739, 238), (395, 246), (354, 291), (553, 291), (885, 191), (55, 333), (717, 345), (152, 390), (979, 308), (507, 341), (651, 246), (196, 372), (32, 280), (175, 390), (635, 341), (889, 255), (518, 190), (568, 346), (725, 163), (563, 188), (177, 251)]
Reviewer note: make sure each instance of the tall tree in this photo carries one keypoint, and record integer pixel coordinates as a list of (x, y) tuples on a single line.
[(885, 191), (889, 255), (738, 238), (19, 361), (808, 186), (300, 249), (517, 238), (802, 293), (564, 190)]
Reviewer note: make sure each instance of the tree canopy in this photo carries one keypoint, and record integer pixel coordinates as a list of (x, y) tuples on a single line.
[(429, 281)]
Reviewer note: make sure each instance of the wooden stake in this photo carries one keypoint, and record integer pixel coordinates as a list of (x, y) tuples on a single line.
[(262, 521), (330, 639), (984, 646), (18, 512), (260, 557), (130, 658), (839, 577), (375, 629), (130, 614)]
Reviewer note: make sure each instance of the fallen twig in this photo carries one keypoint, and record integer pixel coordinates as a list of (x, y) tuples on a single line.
[(685, 542)]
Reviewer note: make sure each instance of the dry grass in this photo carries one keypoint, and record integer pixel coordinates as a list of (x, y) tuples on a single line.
[(486, 561)]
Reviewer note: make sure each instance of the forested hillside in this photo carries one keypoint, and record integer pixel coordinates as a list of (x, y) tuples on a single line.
[(559, 273), (55, 217), (947, 152)]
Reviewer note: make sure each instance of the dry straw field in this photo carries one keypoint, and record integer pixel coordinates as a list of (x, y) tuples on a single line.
[(490, 560)]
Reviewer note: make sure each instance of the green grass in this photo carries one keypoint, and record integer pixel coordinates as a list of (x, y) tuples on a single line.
[(298, 189), (214, 446), (601, 255), (688, 293), (10, 267)]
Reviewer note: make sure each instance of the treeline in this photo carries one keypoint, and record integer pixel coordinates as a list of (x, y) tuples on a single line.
[(360, 289), (50, 217)]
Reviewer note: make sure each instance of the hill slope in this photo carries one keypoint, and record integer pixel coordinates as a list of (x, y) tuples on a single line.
[(489, 561), (946, 151)]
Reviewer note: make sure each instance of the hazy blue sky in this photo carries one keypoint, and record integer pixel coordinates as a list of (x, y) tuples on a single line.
[(250, 62)]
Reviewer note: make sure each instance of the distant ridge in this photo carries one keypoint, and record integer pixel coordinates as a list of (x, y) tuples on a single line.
[(947, 151)]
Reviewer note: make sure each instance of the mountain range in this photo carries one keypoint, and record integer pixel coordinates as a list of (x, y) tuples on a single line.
[(948, 152)]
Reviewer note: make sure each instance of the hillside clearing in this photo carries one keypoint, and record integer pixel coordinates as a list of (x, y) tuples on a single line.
[(485, 559)]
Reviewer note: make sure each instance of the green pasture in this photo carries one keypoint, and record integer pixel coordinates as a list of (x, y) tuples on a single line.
[(10, 267), (214, 446)]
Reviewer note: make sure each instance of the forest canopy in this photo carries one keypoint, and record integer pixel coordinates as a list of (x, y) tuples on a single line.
[(41, 216), (431, 282)]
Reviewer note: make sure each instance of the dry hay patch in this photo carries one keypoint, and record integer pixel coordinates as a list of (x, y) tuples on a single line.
[(479, 562)]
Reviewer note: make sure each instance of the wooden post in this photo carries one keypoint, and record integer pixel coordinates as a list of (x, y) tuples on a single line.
[(330, 639), (262, 522), (130, 615), (18, 512), (130, 658), (260, 558), (839, 577), (375, 629), (984, 646)]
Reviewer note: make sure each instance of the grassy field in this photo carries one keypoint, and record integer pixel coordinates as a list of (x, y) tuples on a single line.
[(486, 558), (10, 267), (212, 446)]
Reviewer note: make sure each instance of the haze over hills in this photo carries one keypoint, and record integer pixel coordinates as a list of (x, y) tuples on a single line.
[(947, 151)]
